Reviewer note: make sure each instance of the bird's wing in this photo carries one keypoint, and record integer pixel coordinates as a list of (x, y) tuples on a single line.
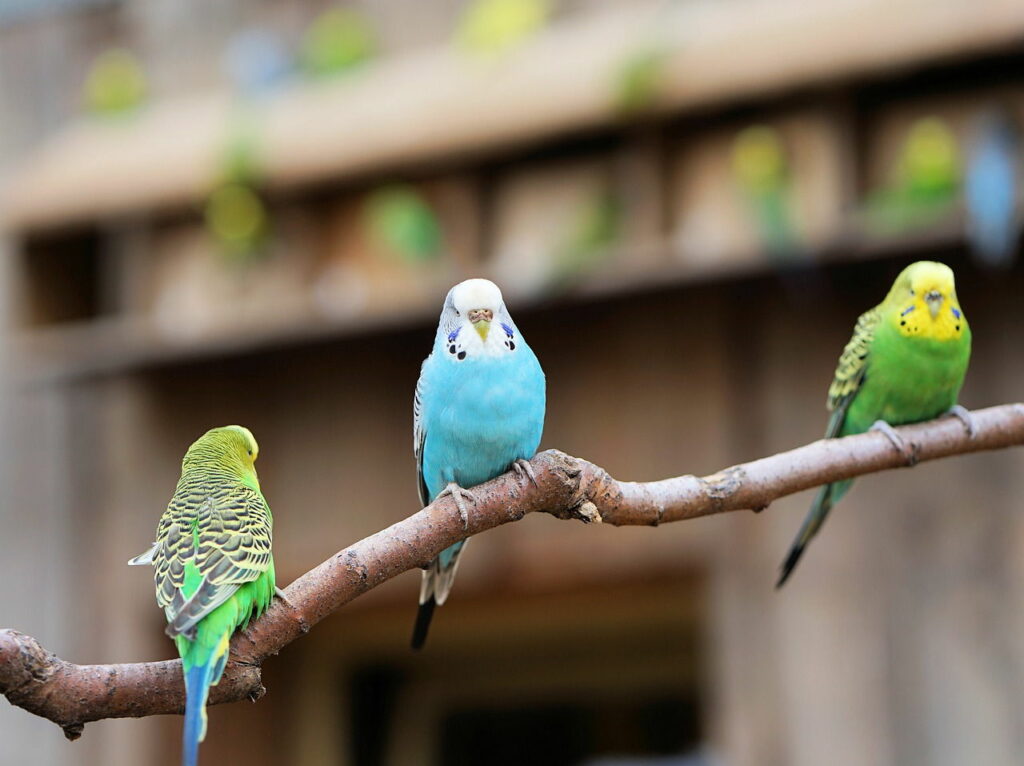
[(226, 535), (851, 370), (419, 436)]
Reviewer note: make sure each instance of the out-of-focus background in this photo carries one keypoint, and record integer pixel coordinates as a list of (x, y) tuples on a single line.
[(249, 212)]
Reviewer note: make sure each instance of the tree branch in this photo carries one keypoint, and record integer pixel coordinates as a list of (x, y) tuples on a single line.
[(71, 695)]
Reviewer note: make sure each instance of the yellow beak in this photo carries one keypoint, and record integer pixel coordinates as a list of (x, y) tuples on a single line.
[(481, 319)]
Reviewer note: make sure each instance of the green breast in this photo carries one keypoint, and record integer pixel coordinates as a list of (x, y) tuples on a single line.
[(908, 379)]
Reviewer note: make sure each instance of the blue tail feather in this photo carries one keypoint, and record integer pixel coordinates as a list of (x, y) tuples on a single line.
[(197, 686)]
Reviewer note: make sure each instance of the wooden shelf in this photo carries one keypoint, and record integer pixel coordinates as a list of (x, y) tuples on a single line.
[(439, 106), (65, 353)]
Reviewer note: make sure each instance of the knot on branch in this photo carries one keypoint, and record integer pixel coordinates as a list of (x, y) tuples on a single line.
[(24, 662), (583, 488), (719, 487)]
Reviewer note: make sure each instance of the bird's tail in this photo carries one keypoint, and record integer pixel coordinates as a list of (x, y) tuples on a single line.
[(423, 617), (199, 677), (434, 589), (827, 496)]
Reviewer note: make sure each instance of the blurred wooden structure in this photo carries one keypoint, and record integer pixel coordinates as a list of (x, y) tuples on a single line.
[(672, 341)]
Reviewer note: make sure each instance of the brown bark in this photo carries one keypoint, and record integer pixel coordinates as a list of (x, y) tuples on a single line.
[(567, 487)]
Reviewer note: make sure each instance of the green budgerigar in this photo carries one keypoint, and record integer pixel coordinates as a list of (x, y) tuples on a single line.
[(905, 364), (214, 568)]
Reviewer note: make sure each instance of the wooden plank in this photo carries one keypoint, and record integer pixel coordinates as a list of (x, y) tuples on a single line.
[(439, 105)]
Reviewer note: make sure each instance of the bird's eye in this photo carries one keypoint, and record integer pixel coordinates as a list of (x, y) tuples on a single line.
[(250, 452), (912, 291)]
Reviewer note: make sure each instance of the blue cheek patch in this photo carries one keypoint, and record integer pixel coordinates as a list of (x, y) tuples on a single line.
[(956, 313), (453, 334), (907, 310), (507, 329)]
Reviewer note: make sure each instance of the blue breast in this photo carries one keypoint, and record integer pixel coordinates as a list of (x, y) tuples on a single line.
[(480, 415)]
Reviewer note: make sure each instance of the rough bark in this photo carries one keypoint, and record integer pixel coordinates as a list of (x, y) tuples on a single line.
[(567, 487)]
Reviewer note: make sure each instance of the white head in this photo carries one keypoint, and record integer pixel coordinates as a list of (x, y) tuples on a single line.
[(474, 322)]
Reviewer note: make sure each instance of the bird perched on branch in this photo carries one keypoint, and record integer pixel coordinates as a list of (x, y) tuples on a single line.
[(478, 412), (905, 364), (214, 569)]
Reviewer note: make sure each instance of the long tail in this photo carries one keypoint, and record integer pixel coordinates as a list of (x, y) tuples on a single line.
[(827, 496), (198, 680), (423, 617), (437, 583)]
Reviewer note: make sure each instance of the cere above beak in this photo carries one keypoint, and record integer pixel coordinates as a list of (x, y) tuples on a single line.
[(934, 300), (481, 319)]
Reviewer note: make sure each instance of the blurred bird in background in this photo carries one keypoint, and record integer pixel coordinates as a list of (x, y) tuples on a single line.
[(589, 241), (639, 78), (236, 215), (478, 412), (991, 189), (115, 85), (258, 62), (925, 184), (905, 364), (338, 41), (494, 27), (403, 223), (762, 174)]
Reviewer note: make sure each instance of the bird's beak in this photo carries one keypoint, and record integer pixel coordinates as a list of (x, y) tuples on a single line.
[(933, 298), (481, 319)]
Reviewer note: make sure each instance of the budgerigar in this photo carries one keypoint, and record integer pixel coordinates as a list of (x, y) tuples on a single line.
[(762, 174), (214, 569), (905, 364), (478, 411), (991, 189)]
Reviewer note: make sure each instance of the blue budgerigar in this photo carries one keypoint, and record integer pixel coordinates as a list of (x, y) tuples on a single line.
[(478, 412), (991, 189)]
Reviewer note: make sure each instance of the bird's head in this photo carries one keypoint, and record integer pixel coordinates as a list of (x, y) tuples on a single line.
[(477, 302), (228, 446), (474, 321), (924, 301)]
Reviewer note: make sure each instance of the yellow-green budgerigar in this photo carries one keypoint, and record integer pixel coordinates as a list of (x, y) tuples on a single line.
[(214, 569), (905, 364)]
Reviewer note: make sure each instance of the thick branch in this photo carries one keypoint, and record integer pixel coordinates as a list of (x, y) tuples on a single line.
[(566, 487)]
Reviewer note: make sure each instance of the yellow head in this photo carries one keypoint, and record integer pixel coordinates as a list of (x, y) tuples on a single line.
[(923, 302), (229, 447)]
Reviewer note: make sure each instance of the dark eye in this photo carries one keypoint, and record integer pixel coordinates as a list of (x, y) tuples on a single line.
[(912, 291), (250, 452)]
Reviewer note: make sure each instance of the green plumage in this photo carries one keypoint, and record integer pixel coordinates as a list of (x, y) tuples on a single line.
[(905, 363), (213, 567)]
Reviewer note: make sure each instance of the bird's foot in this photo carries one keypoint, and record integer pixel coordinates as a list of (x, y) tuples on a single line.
[(901, 445), (280, 594), (524, 469), (964, 415), (460, 496)]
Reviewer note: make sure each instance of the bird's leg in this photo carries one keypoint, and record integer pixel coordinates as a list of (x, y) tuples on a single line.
[(280, 594), (964, 415), (523, 468), (906, 450), (460, 496)]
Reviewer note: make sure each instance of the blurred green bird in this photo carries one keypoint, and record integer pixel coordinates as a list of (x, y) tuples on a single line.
[(116, 84), (925, 184), (493, 27), (762, 174), (339, 40)]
